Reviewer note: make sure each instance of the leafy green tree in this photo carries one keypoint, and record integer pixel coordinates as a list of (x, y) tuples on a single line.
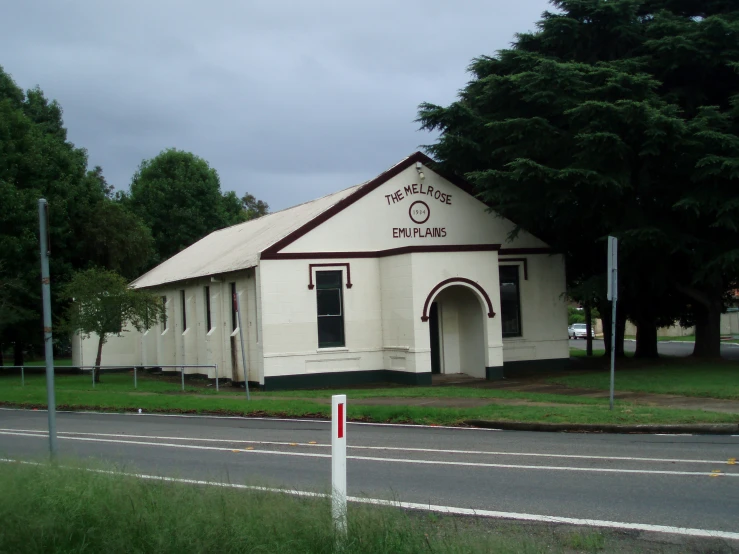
[(101, 302), (587, 127), (37, 161), (254, 208), (234, 214), (12, 311), (178, 196)]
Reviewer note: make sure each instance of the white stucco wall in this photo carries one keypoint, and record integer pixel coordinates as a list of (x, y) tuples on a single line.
[(195, 345), (369, 223), (543, 311), (290, 327), (118, 350), (396, 292)]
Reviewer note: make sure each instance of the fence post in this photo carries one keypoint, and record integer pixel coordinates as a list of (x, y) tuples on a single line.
[(93, 377), (182, 374), (338, 462), (135, 380), (23, 376), (216, 370)]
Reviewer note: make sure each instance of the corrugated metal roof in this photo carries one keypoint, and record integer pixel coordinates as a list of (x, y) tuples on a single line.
[(237, 247)]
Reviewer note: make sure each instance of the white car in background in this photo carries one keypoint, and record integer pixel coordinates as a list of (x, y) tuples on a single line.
[(579, 331)]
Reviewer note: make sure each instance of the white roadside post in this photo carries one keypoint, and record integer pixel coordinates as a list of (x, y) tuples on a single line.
[(613, 297), (338, 462)]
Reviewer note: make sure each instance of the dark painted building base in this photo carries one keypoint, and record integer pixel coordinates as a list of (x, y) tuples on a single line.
[(345, 379), (494, 373), (523, 368)]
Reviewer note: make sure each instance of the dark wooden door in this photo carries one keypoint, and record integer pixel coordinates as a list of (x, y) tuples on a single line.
[(434, 330)]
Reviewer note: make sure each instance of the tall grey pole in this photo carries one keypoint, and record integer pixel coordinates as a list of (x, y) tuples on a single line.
[(613, 351), (43, 219), (613, 297), (243, 350)]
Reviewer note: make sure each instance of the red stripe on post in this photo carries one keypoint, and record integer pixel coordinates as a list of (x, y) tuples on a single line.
[(341, 421)]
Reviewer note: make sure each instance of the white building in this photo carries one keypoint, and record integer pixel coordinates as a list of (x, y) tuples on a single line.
[(392, 280)]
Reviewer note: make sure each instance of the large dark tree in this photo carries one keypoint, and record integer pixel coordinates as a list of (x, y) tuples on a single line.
[(37, 160), (598, 123), (178, 195)]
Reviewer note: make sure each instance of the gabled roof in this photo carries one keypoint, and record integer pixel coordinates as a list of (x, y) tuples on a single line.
[(239, 247), (236, 247)]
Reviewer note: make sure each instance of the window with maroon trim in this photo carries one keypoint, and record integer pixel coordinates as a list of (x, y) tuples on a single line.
[(330, 309), (510, 301)]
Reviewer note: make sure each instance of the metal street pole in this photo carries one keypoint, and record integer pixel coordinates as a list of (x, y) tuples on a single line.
[(243, 350), (613, 297), (43, 219)]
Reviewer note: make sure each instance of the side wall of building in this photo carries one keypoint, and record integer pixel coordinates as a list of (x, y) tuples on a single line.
[(543, 310), (192, 340)]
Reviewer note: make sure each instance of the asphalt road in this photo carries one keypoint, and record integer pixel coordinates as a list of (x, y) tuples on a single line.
[(728, 351), (670, 480)]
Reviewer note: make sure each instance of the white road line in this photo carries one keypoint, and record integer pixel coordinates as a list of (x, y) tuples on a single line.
[(391, 460), (451, 510), (388, 448)]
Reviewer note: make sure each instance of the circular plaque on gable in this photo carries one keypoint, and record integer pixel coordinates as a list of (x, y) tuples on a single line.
[(419, 212)]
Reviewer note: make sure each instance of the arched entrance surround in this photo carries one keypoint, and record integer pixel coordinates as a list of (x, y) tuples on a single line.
[(484, 297), (457, 311)]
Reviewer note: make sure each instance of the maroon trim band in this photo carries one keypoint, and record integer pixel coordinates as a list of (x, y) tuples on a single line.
[(380, 253), (513, 251), (348, 273), (430, 297), (525, 265)]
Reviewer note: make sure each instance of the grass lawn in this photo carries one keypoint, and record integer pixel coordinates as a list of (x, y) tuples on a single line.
[(67, 508), (156, 394), (681, 376), (577, 353)]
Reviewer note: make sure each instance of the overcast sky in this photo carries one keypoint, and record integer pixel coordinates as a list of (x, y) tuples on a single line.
[(289, 100)]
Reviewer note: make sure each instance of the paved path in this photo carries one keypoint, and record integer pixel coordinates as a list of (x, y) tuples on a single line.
[(683, 481)]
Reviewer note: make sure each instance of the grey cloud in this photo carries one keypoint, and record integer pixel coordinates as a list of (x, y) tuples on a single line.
[(288, 100)]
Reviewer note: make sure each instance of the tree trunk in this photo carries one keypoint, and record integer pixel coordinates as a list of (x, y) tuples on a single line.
[(708, 331), (646, 338), (17, 352), (98, 358), (589, 329), (620, 332), (606, 313), (707, 321)]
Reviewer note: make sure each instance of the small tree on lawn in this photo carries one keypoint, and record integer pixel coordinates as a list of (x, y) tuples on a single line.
[(104, 304)]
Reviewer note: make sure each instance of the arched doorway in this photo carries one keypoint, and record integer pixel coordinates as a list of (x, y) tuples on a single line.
[(457, 332)]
